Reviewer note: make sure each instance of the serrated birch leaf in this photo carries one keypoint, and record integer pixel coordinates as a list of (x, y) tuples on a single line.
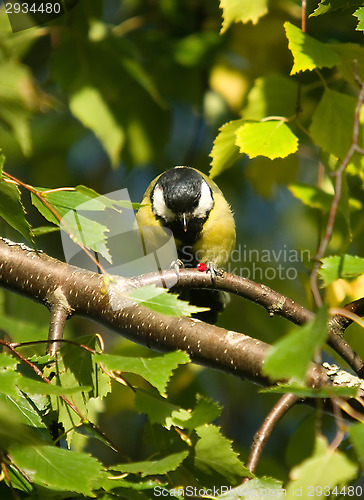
[(308, 53), (273, 139), (235, 11)]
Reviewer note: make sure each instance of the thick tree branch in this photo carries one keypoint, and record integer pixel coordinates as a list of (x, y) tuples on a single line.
[(38, 276), (276, 304)]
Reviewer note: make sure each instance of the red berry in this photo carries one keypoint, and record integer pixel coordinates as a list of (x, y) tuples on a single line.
[(201, 267)]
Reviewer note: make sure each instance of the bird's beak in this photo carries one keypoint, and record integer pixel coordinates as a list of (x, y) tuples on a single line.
[(184, 222)]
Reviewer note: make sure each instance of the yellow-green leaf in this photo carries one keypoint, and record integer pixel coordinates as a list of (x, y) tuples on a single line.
[(225, 152), (273, 139), (235, 11), (308, 53), (341, 267)]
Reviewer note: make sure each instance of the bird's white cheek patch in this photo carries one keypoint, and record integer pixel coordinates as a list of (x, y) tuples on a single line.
[(206, 202), (159, 205)]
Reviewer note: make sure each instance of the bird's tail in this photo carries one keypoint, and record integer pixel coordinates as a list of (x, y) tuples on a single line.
[(216, 300)]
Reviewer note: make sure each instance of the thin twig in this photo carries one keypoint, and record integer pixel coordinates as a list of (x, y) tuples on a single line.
[(340, 345), (42, 199), (354, 148), (299, 77), (340, 424), (33, 342), (303, 16), (265, 431), (347, 314), (66, 400)]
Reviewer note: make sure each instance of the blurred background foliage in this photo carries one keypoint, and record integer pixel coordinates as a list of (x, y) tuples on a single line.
[(113, 93)]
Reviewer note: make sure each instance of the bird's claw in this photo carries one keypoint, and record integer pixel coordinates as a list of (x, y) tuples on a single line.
[(213, 271), (176, 265)]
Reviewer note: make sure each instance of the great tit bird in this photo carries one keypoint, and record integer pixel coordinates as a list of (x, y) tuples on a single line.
[(190, 204)]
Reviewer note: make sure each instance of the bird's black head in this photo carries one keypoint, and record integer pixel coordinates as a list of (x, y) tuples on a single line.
[(182, 200)]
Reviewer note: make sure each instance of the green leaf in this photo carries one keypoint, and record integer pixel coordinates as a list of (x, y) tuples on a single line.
[(311, 196), (326, 6), (160, 411), (291, 355), (130, 483), (310, 392), (271, 95), (344, 266), (44, 210), (235, 11), (348, 53), (26, 410), (225, 152), (161, 301), (39, 231), (278, 171), (360, 15), (8, 382), (70, 206), (19, 98), (273, 139), (205, 411), (152, 467), (157, 370), (144, 78), (193, 50), (356, 435), (325, 468), (214, 455), (8, 361), (323, 7), (23, 331), (302, 441), (84, 198), (13, 211), (76, 207), (36, 387), (315, 197), (58, 469), (81, 362), (88, 105), (75, 366), (307, 52), (332, 122), (14, 428)]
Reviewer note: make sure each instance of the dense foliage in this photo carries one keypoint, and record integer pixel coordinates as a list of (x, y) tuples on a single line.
[(110, 93)]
